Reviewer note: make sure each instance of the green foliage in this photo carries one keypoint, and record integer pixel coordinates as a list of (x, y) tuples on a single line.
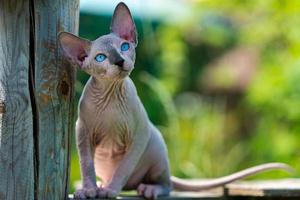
[(272, 28), (213, 134)]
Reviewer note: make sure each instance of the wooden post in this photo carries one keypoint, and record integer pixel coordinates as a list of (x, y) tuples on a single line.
[(36, 98), (54, 82), (16, 130)]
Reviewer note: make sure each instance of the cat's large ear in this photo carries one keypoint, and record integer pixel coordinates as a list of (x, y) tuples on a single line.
[(75, 48), (122, 23)]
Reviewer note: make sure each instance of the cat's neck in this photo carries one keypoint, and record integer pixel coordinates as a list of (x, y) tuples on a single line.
[(106, 84), (108, 89)]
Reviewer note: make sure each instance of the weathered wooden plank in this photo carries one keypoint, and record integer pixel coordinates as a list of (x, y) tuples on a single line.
[(176, 196), (286, 189), (16, 138), (270, 188), (54, 82)]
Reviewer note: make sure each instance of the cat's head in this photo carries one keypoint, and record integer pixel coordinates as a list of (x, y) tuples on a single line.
[(110, 56)]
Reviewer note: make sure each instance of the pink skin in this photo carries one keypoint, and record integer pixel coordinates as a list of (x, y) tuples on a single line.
[(115, 139)]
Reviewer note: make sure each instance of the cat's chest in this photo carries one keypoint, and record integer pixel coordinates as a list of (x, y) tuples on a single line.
[(114, 132), (115, 117), (111, 125)]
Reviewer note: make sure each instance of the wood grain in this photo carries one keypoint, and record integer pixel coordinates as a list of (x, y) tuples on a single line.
[(286, 189), (16, 135), (265, 188), (54, 91)]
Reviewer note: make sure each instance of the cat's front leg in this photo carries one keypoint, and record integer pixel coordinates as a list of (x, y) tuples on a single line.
[(89, 186)]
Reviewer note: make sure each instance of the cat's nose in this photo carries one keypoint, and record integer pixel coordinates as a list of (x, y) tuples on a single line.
[(120, 63)]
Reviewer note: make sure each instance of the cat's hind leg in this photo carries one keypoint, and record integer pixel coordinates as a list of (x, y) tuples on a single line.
[(154, 165), (152, 191), (156, 182)]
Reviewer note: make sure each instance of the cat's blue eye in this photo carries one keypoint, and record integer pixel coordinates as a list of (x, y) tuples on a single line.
[(100, 57), (125, 46)]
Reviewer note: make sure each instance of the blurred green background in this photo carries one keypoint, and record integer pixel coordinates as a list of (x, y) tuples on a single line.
[(220, 79)]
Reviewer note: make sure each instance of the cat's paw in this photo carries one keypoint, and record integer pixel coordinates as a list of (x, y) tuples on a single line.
[(85, 193), (106, 192)]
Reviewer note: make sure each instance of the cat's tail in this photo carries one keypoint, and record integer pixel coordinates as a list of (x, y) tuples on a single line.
[(191, 185)]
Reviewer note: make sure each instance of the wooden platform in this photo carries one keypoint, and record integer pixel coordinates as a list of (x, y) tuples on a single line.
[(284, 189)]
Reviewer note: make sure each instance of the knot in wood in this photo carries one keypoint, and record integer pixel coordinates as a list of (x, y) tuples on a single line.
[(2, 108), (64, 88)]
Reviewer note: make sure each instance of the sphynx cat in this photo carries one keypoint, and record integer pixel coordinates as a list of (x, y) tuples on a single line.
[(115, 139)]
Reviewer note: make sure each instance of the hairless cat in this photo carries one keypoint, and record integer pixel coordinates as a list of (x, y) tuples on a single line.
[(115, 139)]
